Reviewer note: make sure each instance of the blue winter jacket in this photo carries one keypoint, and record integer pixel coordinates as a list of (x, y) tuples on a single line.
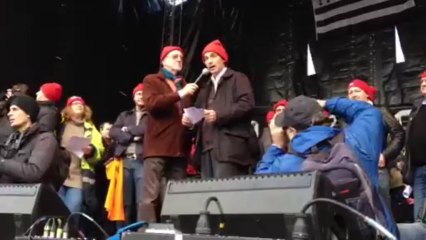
[(364, 134)]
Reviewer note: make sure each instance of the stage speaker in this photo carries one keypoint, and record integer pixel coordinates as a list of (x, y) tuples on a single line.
[(262, 206), (22, 204)]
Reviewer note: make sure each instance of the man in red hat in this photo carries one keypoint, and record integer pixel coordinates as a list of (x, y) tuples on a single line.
[(362, 91), (225, 136), (127, 133), (416, 151), (167, 143), (49, 118)]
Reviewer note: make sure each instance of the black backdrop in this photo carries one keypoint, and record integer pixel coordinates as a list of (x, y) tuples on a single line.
[(96, 51)]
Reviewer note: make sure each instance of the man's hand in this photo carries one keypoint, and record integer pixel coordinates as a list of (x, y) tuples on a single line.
[(382, 161), (124, 129), (210, 116), (279, 137), (186, 122), (274, 129), (189, 89)]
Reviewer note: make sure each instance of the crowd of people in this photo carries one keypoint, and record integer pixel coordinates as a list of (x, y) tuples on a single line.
[(122, 170)]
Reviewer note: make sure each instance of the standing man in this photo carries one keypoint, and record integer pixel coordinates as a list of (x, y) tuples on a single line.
[(394, 134), (49, 118), (127, 132), (225, 134), (416, 151), (167, 143)]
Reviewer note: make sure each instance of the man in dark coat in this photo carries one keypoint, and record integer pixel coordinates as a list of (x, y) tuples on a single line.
[(225, 135), (415, 168), (28, 154), (127, 132)]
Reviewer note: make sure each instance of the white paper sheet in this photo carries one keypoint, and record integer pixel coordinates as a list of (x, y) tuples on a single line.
[(194, 114), (76, 145)]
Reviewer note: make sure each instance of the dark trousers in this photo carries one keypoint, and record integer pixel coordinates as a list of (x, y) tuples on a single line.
[(133, 189), (212, 168), (157, 171)]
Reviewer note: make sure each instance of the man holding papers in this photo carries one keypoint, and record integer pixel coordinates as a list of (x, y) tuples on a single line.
[(225, 134)]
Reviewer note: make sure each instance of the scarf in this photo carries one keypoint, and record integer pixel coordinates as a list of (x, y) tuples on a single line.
[(171, 76)]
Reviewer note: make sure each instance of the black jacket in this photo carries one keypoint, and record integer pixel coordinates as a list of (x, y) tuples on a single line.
[(395, 137), (408, 171), (28, 157), (124, 139), (233, 136), (48, 118)]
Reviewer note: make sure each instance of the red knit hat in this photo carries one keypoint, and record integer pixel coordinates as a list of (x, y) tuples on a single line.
[(280, 103), (369, 90), (216, 47), (168, 49), (423, 75), (74, 99), (52, 91), (138, 88)]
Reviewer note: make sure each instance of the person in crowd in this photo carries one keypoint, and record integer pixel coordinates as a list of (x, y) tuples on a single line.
[(101, 184), (78, 189), (105, 129), (15, 90), (266, 140), (167, 143), (28, 154), (226, 131), (49, 117), (415, 150), (394, 134), (301, 130), (128, 132), (362, 134)]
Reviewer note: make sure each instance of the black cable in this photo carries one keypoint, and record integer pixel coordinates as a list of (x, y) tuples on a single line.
[(88, 218), (365, 218), (219, 206)]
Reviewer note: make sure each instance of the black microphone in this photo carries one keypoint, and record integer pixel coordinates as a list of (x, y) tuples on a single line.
[(204, 72)]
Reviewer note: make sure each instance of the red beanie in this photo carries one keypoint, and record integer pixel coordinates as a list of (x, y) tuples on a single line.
[(423, 75), (167, 50), (52, 91), (216, 47), (74, 99), (280, 103), (369, 90), (138, 88)]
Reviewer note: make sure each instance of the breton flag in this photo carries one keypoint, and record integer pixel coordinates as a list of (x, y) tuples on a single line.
[(335, 14)]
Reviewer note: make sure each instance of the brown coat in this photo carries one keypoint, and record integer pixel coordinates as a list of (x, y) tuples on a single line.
[(165, 135)]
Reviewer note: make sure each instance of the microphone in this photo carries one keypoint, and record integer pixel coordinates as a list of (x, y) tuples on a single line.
[(205, 71)]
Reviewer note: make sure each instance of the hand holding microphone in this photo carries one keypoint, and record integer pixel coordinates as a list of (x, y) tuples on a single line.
[(191, 88)]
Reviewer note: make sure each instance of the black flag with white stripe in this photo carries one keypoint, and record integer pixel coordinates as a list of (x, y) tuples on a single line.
[(332, 15)]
